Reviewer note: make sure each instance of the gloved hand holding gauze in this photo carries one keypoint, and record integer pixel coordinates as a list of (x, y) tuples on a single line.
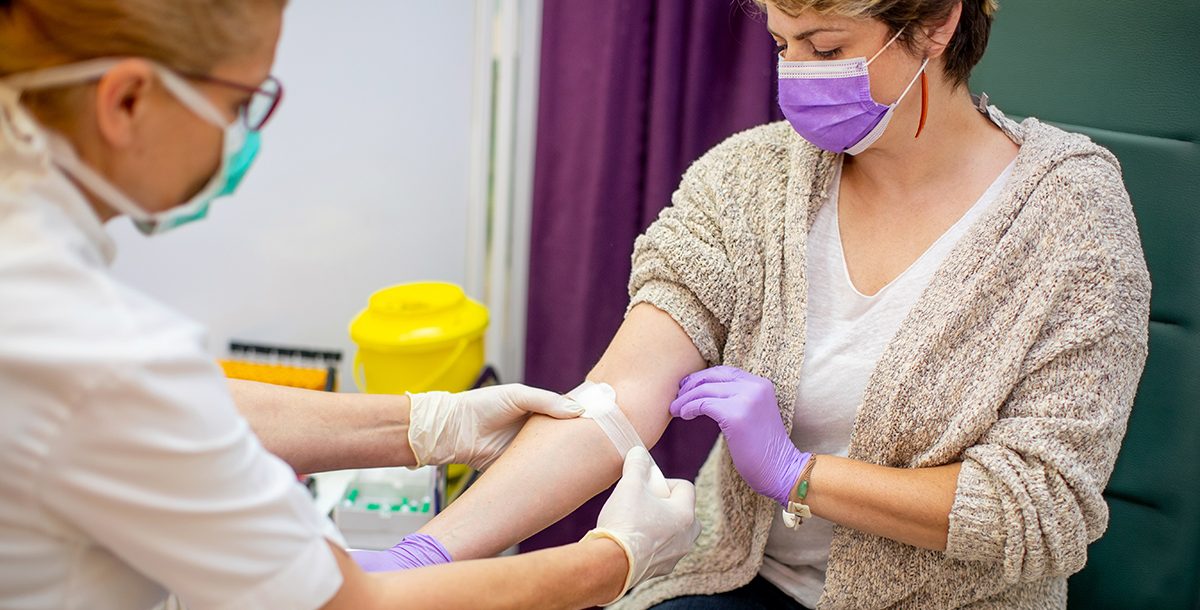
[(654, 529), (475, 427)]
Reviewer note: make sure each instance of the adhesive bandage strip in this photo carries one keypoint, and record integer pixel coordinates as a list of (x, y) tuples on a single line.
[(599, 402)]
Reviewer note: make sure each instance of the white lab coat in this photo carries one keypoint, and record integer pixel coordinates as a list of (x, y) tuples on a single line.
[(125, 469)]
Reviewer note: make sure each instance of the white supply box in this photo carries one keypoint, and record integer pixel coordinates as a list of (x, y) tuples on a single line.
[(382, 505)]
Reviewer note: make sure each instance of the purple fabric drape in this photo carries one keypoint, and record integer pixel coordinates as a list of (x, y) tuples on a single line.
[(631, 92)]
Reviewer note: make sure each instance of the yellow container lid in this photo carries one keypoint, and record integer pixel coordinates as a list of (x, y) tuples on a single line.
[(420, 315)]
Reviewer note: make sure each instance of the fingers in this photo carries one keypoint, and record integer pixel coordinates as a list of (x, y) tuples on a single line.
[(641, 471), (656, 482), (637, 464), (535, 400), (714, 374), (676, 408), (713, 408), (714, 390), (683, 503), (695, 408), (683, 494)]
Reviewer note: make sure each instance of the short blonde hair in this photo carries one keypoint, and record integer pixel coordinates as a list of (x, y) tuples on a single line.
[(187, 35), (966, 48)]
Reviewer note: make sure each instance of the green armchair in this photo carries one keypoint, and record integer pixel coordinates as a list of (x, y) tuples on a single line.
[(1127, 74)]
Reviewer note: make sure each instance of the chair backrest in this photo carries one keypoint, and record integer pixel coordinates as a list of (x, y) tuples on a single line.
[(1127, 74)]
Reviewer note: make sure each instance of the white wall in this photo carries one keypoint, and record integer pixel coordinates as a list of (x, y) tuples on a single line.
[(362, 181)]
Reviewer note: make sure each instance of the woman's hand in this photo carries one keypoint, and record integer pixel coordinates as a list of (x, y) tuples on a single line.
[(745, 408), (475, 427)]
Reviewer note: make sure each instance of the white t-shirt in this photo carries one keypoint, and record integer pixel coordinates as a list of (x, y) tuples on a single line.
[(846, 334), (125, 467)]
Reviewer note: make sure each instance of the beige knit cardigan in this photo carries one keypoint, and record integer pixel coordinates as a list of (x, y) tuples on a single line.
[(1020, 359)]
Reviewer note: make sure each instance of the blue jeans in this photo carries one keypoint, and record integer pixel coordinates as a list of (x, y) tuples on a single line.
[(758, 595)]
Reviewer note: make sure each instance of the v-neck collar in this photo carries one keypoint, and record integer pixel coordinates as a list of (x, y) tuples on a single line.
[(971, 214)]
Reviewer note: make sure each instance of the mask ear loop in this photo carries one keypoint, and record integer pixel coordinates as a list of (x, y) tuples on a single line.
[(191, 98), (885, 47), (922, 76)]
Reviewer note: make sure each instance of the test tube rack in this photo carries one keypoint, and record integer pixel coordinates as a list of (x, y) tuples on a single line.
[(296, 367)]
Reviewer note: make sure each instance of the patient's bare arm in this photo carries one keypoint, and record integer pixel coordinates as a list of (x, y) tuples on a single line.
[(554, 466)]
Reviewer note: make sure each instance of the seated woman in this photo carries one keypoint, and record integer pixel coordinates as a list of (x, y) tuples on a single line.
[(947, 306)]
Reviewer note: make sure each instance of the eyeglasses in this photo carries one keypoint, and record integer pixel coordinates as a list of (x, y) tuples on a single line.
[(264, 99)]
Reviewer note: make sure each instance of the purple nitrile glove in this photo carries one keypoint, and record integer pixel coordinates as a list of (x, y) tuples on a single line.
[(745, 408), (414, 551)]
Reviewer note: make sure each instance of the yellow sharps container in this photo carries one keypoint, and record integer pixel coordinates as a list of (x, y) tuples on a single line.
[(419, 337)]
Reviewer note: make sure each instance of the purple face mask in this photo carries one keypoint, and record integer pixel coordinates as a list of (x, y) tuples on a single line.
[(829, 103)]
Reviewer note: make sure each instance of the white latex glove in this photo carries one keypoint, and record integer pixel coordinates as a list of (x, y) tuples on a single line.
[(652, 518), (475, 427)]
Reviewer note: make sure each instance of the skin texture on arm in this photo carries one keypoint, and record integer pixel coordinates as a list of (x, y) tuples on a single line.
[(317, 431), (906, 505), (573, 576), (553, 467)]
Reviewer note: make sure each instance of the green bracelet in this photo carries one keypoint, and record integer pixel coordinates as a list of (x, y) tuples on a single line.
[(802, 480), (796, 512)]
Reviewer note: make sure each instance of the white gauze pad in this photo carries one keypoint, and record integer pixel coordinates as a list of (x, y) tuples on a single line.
[(599, 402)]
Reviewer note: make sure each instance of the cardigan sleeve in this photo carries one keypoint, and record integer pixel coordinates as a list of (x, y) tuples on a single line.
[(681, 264), (1029, 493)]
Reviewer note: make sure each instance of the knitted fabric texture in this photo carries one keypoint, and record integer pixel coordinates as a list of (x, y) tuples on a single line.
[(1021, 360)]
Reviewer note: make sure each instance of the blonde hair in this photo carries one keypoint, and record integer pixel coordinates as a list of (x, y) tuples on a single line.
[(187, 35), (966, 47)]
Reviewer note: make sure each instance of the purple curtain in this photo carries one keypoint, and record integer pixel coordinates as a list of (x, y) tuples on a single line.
[(632, 91)]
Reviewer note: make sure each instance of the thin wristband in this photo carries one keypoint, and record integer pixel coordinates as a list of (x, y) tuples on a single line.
[(802, 480), (796, 512)]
